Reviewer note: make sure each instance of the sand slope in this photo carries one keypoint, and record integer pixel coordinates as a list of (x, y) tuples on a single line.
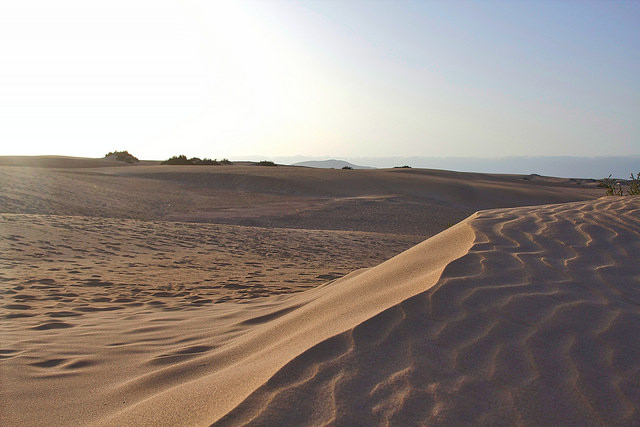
[(306, 319), (522, 315), (88, 305), (171, 265), (103, 359), (538, 324), (63, 162), (400, 201)]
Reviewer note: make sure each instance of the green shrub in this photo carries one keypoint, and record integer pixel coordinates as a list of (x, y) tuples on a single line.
[(347, 168), (225, 162), (265, 163), (402, 167), (182, 160), (207, 161), (123, 156), (614, 188), (634, 185), (177, 160)]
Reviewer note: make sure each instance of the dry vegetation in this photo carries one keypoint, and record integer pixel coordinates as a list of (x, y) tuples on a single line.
[(183, 160), (122, 156), (615, 187)]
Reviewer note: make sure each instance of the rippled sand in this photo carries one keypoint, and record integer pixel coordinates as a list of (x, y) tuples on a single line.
[(521, 315)]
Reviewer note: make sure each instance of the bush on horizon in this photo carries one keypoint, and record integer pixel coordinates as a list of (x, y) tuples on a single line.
[(402, 167), (123, 156), (205, 161), (347, 168), (183, 160), (265, 163), (177, 160)]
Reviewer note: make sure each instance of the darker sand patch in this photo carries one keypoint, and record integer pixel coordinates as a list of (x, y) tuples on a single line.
[(52, 325)]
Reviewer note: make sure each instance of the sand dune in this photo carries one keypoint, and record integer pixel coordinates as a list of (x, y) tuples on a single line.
[(537, 324), (523, 315), (68, 333), (61, 162), (174, 265), (399, 201), (320, 313), (304, 297)]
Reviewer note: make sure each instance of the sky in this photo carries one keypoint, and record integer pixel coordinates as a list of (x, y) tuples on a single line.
[(340, 79)]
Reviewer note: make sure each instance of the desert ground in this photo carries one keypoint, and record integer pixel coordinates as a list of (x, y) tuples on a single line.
[(150, 294)]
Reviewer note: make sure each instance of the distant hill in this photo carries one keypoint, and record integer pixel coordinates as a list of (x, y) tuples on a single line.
[(330, 164), (68, 162), (559, 166)]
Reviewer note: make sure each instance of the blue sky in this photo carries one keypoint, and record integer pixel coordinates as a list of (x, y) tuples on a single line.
[(320, 78)]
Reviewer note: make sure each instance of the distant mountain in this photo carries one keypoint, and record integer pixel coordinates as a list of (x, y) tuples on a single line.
[(330, 164)]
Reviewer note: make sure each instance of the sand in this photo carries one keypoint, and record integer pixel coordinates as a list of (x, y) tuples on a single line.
[(118, 313), (413, 202), (537, 324)]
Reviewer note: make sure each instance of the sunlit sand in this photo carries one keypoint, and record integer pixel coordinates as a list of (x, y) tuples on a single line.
[(192, 295)]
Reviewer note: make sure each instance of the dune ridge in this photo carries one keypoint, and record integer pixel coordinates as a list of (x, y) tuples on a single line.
[(89, 305), (319, 313), (399, 201), (537, 324), (115, 351), (514, 316)]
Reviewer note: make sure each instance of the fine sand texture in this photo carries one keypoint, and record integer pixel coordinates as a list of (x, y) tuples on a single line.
[(537, 324), (191, 295), (525, 316), (415, 202), (113, 263)]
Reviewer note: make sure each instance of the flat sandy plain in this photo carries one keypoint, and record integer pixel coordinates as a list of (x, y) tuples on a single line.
[(192, 295)]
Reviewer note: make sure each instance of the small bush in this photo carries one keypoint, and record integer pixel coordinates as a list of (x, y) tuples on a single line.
[(177, 160), (225, 162), (347, 168), (634, 185), (123, 156), (265, 163), (402, 167), (614, 188), (182, 160), (207, 161)]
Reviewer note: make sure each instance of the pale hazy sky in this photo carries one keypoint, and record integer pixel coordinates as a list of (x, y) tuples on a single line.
[(319, 78)]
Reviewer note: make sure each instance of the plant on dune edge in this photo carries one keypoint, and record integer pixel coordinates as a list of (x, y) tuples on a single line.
[(612, 190), (347, 168), (610, 185), (634, 185)]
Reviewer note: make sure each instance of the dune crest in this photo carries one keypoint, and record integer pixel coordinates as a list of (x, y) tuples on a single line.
[(514, 316), (537, 324), (310, 318)]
